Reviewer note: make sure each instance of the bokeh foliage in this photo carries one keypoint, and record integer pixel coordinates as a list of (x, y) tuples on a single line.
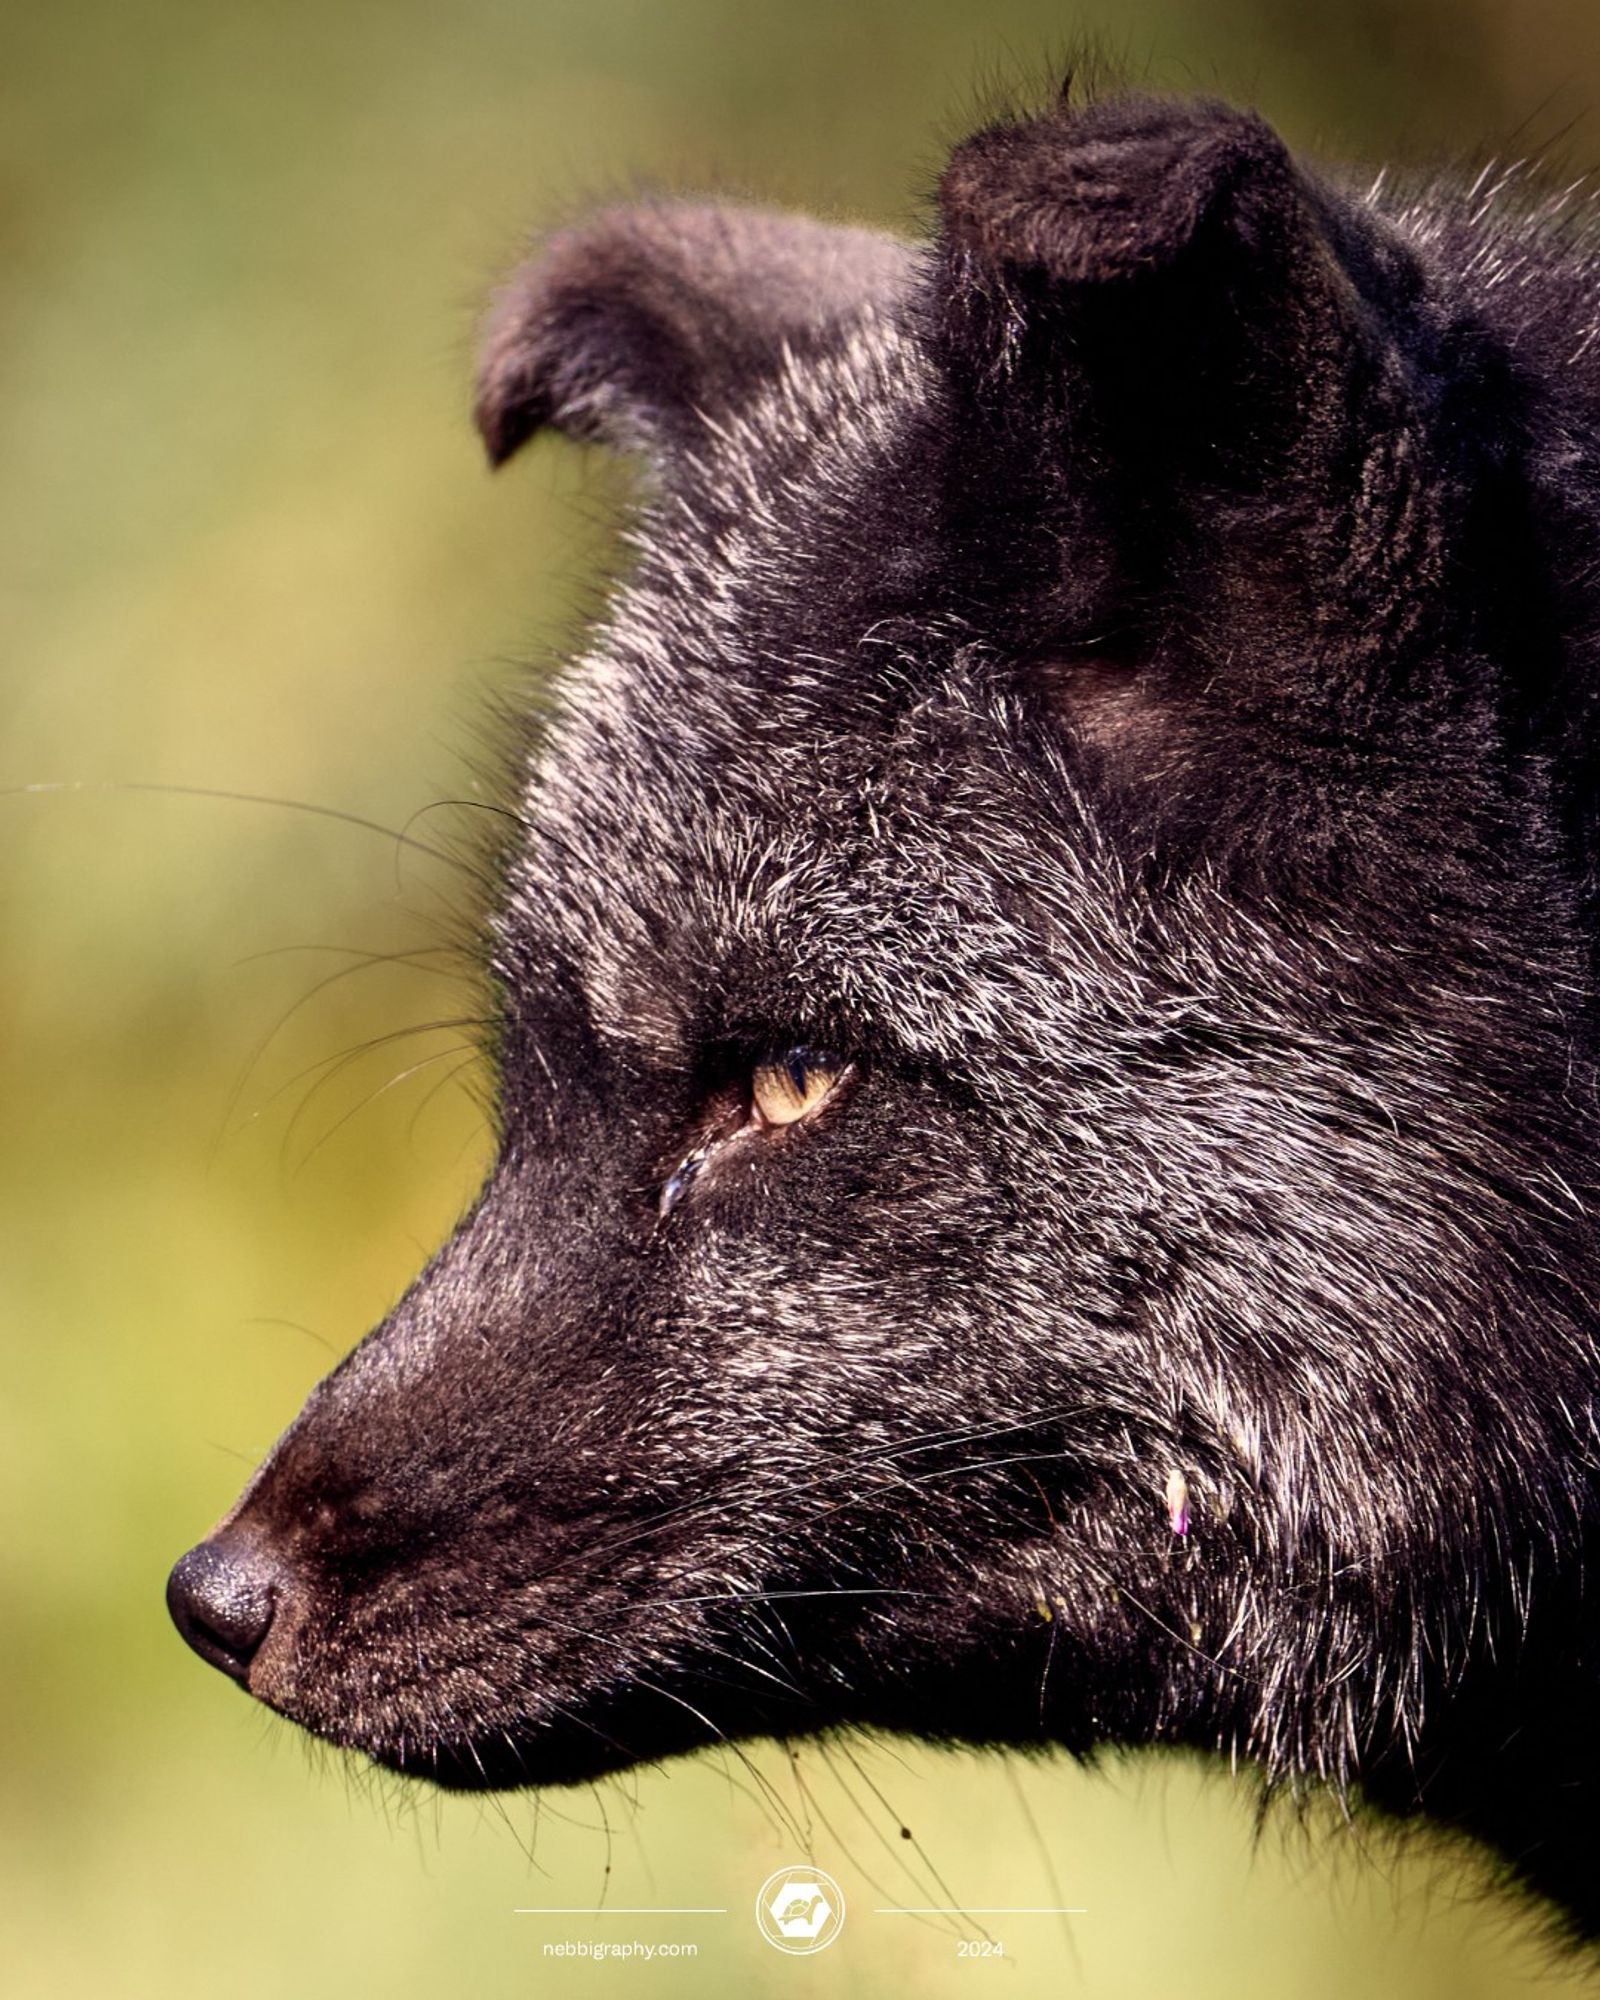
[(246, 545)]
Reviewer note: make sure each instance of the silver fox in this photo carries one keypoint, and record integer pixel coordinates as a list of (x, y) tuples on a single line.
[(1046, 989)]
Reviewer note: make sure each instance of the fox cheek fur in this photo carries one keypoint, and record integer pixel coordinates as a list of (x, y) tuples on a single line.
[(1100, 719)]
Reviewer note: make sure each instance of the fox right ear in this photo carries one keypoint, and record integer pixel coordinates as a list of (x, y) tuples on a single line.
[(632, 327)]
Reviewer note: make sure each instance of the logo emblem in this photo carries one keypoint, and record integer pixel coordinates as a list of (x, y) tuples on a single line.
[(800, 1909)]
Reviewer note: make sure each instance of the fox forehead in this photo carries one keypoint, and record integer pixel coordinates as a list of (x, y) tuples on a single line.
[(793, 757), (932, 880)]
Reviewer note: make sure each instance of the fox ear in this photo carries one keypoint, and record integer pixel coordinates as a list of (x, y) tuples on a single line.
[(1179, 234), (633, 326), (1151, 304), (1119, 190)]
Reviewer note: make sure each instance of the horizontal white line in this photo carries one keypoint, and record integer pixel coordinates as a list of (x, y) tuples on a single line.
[(613, 1910), (992, 1910)]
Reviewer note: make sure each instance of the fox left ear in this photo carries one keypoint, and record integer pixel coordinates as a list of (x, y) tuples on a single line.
[(1234, 369), (634, 326), (1173, 257)]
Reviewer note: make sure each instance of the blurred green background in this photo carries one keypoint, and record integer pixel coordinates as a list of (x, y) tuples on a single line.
[(246, 544)]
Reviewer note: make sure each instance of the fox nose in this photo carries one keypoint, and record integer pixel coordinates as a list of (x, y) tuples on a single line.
[(222, 1599)]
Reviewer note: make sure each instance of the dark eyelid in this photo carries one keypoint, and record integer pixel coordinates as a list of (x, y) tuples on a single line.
[(842, 1071), (799, 1057)]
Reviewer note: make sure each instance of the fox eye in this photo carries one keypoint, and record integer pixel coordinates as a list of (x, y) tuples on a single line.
[(794, 1085)]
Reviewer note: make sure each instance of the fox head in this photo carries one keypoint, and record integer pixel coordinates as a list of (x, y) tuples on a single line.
[(1045, 1089)]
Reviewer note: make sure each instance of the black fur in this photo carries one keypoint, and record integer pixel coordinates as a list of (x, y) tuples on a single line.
[(1116, 684)]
